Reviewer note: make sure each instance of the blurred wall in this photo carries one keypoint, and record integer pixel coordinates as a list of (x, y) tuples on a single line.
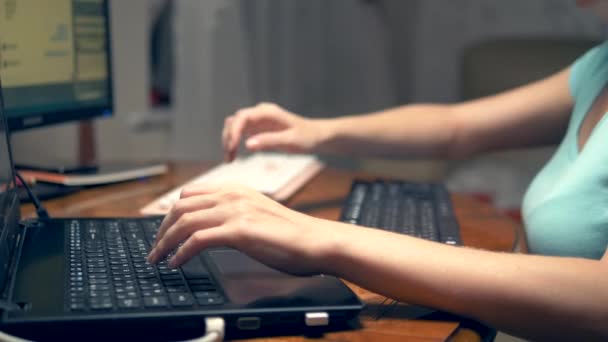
[(325, 58), (317, 57)]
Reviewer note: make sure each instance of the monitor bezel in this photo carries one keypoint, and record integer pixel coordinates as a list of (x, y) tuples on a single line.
[(54, 117), (6, 135)]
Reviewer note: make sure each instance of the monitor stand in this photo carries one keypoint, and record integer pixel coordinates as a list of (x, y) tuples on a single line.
[(87, 156)]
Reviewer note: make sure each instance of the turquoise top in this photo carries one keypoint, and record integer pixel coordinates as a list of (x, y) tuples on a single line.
[(565, 209)]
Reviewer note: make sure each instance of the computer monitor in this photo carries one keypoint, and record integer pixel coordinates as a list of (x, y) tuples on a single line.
[(55, 61)]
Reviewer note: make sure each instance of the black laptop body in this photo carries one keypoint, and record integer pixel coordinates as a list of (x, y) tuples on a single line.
[(87, 279)]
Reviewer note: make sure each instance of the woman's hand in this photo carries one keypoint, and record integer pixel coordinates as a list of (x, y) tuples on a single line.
[(270, 127), (241, 218)]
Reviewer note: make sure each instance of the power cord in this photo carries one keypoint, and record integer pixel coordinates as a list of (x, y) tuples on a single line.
[(41, 211), (215, 330)]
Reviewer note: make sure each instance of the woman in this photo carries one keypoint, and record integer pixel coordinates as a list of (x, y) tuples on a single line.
[(565, 282)]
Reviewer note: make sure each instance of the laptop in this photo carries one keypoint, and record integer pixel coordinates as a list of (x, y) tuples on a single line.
[(87, 279)]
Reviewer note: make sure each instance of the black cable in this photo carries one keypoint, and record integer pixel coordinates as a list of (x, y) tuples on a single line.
[(40, 209)]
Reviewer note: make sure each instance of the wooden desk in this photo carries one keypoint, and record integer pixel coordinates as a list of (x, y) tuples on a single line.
[(481, 227)]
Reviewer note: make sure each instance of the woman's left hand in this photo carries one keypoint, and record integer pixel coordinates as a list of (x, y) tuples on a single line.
[(241, 218)]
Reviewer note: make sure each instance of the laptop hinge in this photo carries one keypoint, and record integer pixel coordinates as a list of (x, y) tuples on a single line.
[(10, 245)]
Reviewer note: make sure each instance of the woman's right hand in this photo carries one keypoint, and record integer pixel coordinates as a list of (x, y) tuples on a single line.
[(270, 127)]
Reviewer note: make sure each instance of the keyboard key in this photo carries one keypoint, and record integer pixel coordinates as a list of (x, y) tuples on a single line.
[(167, 277), (156, 302), (181, 299), (202, 288), (207, 294), (78, 306), (101, 304), (152, 292), (129, 303), (194, 269), (210, 301)]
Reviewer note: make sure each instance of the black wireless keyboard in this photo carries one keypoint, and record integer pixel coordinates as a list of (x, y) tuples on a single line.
[(418, 209)]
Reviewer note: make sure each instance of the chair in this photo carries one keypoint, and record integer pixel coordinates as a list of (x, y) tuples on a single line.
[(492, 66)]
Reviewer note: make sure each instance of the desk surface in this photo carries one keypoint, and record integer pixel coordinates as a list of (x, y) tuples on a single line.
[(481, 227)]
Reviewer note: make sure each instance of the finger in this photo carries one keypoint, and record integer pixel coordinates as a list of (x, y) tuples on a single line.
[(236, 129), (200, 190), (274, 140), (251, 120), (226, 136), (181, 207), (212, 237), (187, 225)]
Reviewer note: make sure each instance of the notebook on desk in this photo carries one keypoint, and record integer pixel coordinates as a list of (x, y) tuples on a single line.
[(88, 279), (277, 175)]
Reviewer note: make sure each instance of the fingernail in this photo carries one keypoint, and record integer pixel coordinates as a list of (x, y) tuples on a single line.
[(172, 263), (151, 256)]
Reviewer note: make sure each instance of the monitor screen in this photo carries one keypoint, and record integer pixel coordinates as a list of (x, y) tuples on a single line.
[(54, 61)]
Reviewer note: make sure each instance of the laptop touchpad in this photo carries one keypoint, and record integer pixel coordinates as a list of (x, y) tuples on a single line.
[(251, 283), (232, 262)]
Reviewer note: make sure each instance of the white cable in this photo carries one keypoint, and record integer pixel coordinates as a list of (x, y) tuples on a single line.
[(214, 327)]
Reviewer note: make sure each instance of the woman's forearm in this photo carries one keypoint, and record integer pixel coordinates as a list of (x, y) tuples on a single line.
[(523, 294), (413, 131)]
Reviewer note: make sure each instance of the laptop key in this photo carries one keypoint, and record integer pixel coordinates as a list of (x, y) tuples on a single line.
[(101, 303), (202, 288), (202, 281), (210, 301), (181, 299), (156, 302), (147, 275), (127, 295), (194, 269), (174, 289), (99, 287), (167, 277), (152, 292), (206, 294), (169, 283), (77, 306), (129, 303)]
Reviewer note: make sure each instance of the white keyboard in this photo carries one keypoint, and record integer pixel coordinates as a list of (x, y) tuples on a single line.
[(275, 174)]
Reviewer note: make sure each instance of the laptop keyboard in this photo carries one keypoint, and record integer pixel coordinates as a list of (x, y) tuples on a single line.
[(423, 210), (108, 270)]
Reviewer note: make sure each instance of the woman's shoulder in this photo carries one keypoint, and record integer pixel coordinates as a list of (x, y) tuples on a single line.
[(588, 66)]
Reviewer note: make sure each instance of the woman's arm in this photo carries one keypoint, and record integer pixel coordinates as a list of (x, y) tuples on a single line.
[(548, 298), (535, 114), (537, 297)]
